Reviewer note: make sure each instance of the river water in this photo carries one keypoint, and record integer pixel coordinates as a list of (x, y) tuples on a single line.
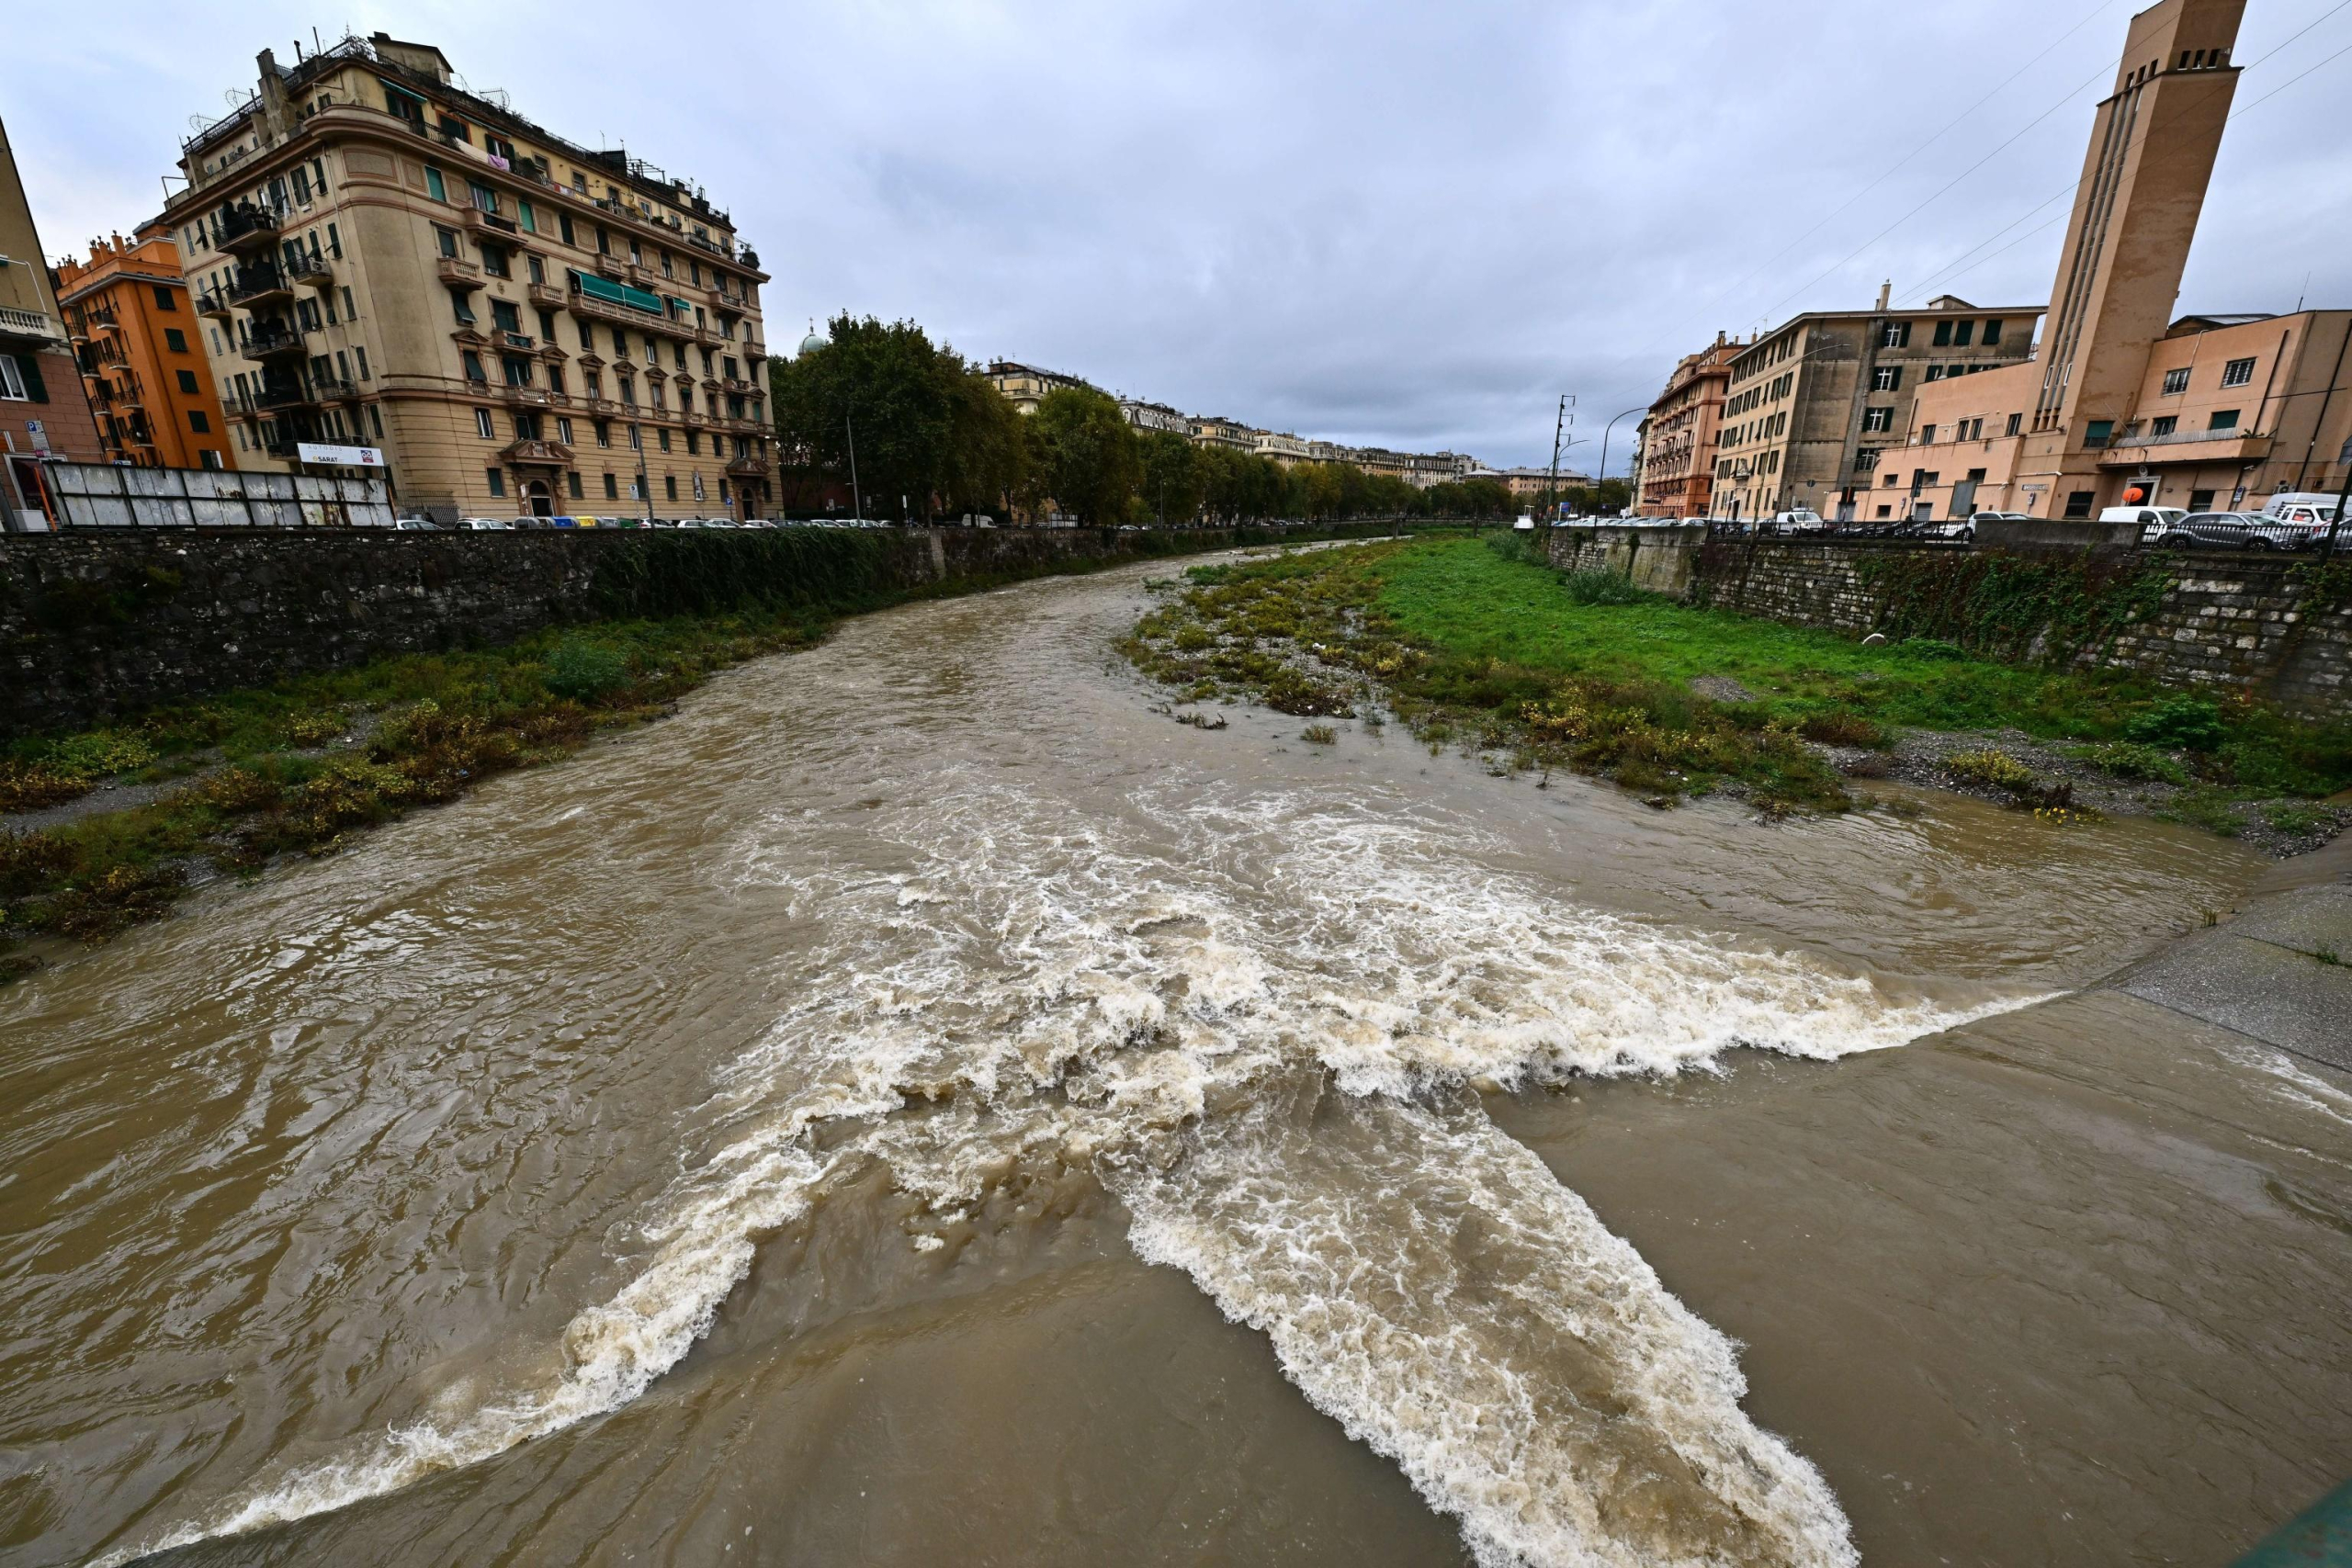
[(920, 1105)]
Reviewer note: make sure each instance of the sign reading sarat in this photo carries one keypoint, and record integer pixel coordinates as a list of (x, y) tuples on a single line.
[(342, 456)]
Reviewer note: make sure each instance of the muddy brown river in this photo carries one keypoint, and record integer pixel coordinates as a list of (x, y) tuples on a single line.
[(920, 1105)]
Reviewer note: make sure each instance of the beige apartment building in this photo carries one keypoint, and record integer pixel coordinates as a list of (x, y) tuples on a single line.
[(1677, 461), (1215, 430), (519, 324), (1809, 410), (1026, 386), (1149, 417)]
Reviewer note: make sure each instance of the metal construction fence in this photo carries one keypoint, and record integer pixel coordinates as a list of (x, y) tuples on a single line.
[(106, 495)]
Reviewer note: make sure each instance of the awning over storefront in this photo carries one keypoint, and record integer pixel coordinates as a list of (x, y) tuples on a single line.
[(604, 288)]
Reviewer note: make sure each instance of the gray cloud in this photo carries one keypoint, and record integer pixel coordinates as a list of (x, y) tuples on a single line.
[(1379, 223)]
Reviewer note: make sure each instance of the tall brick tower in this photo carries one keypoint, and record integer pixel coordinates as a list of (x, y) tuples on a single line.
[(2151, 156)]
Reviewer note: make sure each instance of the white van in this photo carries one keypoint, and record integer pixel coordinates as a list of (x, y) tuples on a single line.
[(2300, 506), (2150, 516)]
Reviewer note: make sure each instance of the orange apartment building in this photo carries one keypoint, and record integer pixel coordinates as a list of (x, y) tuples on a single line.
[(141, 349), (1678, 438)]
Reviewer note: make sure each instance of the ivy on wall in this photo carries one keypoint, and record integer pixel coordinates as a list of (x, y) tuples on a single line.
[(2014, 606)]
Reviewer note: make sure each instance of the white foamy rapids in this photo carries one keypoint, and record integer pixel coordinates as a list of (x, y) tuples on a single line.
[(1086, 990), (1427, 1283)]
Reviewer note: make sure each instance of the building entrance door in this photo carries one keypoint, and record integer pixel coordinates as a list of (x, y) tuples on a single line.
[(542, 503)]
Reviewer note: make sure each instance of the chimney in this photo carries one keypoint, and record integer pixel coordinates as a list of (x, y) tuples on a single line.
[(1885, 292), (277, 117)]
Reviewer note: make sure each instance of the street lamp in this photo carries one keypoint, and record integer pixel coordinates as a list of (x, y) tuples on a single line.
[(1603, 478)]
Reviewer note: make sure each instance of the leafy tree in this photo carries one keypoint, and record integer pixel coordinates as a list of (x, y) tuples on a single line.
[(1170, 490), (1472, 498), (1608, 498), (1082, 455), (926, 424)]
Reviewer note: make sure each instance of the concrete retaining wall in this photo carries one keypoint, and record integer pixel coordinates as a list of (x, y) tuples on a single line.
[(96, 624), (2225, 619)]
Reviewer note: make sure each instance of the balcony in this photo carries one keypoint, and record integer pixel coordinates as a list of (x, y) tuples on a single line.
[(313, 270), (546, 296), (589, 306), (33, 326), (458, 274), (213, 303), (242, 230), (259, 283), (2185, 447), (518, 343), (267, 400), (277, 344), (529, 398), (641, 275), (491, 226)]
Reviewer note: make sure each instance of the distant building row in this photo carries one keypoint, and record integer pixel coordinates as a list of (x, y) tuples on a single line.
[(1026, 386), (1936, 411)]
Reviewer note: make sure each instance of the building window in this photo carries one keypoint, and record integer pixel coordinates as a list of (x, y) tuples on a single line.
[(2017, 421), (474, 371), (517, 369), (563, 428), (1962, 333), (636, 439), (525, 218), (350, 312), (670, 486), (186, 381), (176, 340), (2176, 381), (446, 239), (527, 426), (2164, 424), (604, 433), (2078, 503), (2223, 419), (166, 299), (197, 423), (504, 313), (563, 227), (2237, 372), (493, 261), (497, 480), (2200, 501), (484, 198), (208, 458), (2097, 433), (482, 425), (1943, 335), (662, 437), (698, 485), (359, 352), (571, 483), (1926, 435), (376, 420), (1992, 334), (694, 443), (1878, 421), (1894, 334), (434, 187)]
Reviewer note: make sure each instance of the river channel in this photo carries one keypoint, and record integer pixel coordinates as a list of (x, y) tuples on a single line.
[(920, 1105)]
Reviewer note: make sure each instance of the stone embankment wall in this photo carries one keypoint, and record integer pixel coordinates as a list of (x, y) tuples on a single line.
[(95, 624), (2215, 619)]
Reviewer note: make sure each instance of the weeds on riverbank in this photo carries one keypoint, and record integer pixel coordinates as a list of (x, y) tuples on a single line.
[(1308, 635), (294, 769), (1476, 643)]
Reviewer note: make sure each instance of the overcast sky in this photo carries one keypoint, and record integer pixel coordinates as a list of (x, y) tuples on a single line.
[(1409, 226)]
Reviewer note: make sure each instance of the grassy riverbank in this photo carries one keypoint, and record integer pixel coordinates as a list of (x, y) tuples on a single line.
[(1475, 642)]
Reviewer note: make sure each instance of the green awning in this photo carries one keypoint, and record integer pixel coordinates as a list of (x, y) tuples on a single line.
[(395, 87), (684, 310), (604, 288)]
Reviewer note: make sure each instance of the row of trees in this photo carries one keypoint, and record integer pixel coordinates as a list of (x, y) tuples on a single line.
[(914, 420)]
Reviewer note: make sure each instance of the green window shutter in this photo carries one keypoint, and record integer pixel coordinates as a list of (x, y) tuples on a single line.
[(30, 364), (434, 185)]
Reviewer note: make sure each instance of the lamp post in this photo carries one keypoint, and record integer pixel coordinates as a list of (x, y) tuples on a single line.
[(1559, 443), (857, 496), (1603, 478)]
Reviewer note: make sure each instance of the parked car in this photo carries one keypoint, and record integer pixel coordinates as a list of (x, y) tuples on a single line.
[(1999, 517), (416, 524), (2227, 531), (484, 524), (2307, 516), (1798, 520)]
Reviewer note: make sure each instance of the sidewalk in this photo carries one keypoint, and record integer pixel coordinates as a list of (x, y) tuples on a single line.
[(2280, 971)]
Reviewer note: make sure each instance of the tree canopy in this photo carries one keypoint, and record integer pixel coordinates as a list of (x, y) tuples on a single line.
[(1082, 455)]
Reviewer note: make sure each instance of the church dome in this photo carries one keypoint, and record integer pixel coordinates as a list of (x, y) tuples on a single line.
[(815, 340)]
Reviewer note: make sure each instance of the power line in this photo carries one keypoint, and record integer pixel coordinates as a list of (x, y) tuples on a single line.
[(1899, 163), (1945, 274), (1952, 271)]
